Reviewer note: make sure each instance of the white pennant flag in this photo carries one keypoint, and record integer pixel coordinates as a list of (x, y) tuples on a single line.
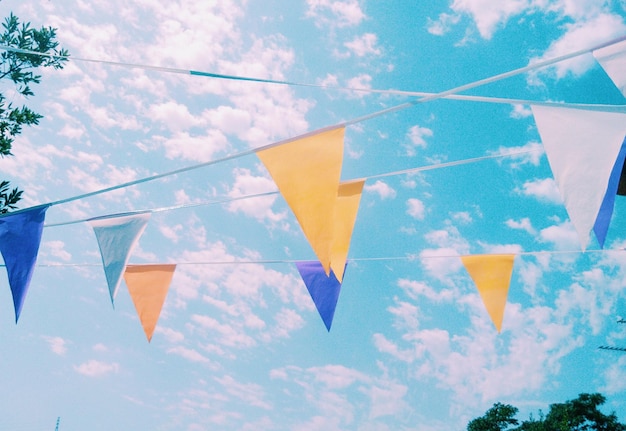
[(613, 60), (117, 236), (582, 147)]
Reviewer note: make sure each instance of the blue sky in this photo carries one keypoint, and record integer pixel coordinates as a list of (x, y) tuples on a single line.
[(241, 346)]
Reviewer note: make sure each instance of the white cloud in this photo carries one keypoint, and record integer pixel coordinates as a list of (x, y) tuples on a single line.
[(56, 249), (530, 153), (523, 224), (94, 368), (57, 344), (174, 116), (384, 345), (99, 347), (364, 45), (578, 35), (200, 148), (287, 321), (477, 369), (563, 236), (443, 24), (250, 393), (382, 189), (337, 376), (543, 190), (359, 82), (259, 208), (615, 377), (415, 208), (521, 111), (171, 335), (229, 120), (339, 13), (191, 355), (440, 262), (417, 289), (337, 395), (417, 139), (463, 217), (387, 400), (489, 15)]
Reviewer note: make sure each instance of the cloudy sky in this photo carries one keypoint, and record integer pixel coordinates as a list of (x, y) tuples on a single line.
[(240, 346)]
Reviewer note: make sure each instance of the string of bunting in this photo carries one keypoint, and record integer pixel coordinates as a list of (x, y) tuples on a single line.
[(307, 170)]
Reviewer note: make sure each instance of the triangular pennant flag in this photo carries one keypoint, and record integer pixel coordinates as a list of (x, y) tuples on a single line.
[(603, 220), (20, 236), (581, 147), (324, 289), (117, 236), (307, 173), (613, 60), (492, 275), (346, 208), (148, 286)]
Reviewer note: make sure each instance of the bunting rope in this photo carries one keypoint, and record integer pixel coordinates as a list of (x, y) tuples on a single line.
[(275, 192), (425, 95), (431, 97), (410, 257)]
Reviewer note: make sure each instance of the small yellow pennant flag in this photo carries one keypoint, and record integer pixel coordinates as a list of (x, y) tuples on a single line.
[(307, 173), (148, 286), (492, 275), (346, 208)]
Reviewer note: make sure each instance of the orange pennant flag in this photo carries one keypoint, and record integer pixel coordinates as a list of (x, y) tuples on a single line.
[(346, 208), (307, 173), (492, 275), (148, 286)]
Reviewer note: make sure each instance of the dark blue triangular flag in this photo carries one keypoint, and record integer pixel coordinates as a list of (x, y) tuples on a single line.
[(20, 236), (601, 226), (324, 289)]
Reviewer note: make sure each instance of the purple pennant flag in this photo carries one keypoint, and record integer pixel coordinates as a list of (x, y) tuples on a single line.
[(20, 236), (324, 289), (601, 226)]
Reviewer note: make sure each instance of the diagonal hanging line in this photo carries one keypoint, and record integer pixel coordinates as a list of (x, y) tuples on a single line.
[(485, 81), (402, 106), (275, 192), (425, 95)]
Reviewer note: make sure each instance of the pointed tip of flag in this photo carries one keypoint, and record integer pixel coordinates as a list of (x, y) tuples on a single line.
[(324, 289)]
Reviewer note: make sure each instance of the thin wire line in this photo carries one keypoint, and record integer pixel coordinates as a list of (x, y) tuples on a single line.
[(426, 95), (343, 124), (411, 257), (485, 81), (275, 192)]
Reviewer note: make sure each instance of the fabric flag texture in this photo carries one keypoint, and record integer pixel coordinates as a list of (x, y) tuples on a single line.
[(346, 209), (117, 236), (601, 226), (148, 286), (307, 173), (20, 236), (582, 147), (492, 275), (613, 60), (324, 289)]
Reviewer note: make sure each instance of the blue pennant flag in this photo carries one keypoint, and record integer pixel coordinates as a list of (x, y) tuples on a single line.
[(324, 289), (20, 236), (601, 226)]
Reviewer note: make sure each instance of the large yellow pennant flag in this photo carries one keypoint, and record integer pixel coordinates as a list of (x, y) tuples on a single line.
[(346, 208), (492, 275), (307, 173), (148, 286)]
